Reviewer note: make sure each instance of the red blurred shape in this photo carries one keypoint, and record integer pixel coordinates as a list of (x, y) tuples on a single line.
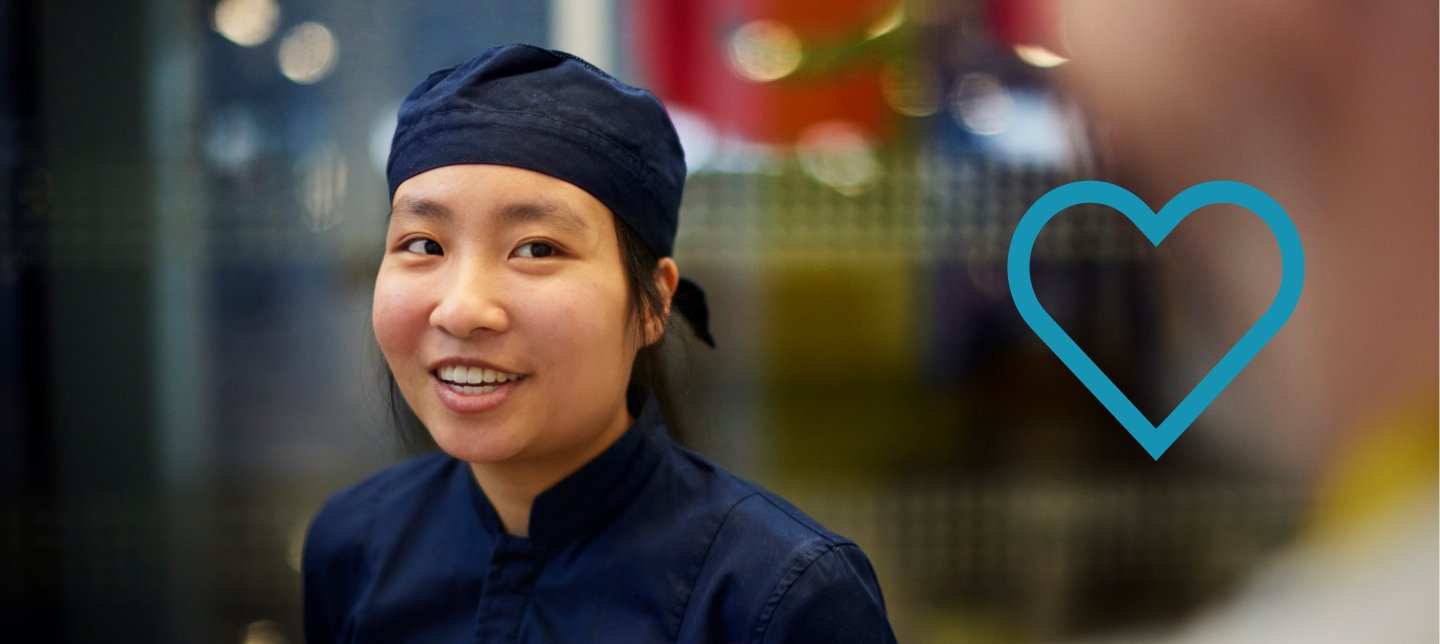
[(1024, 22), (682, 54)]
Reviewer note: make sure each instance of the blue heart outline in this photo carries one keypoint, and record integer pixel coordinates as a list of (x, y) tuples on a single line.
[(1156, 227)]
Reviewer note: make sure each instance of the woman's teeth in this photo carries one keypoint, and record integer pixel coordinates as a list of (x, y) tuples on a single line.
[(474, 380)]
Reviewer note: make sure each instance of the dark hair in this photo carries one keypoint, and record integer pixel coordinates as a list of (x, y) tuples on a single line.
[(649, 373)]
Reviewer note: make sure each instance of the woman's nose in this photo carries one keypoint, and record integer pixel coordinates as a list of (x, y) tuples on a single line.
[(472, 302)]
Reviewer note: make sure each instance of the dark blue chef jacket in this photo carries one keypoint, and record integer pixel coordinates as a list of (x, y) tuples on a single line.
[(646, 543)]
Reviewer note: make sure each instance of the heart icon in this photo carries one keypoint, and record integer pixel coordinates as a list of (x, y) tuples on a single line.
[(1156, 227)]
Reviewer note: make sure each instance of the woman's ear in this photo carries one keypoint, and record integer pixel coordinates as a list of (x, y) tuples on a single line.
[(666, 276)]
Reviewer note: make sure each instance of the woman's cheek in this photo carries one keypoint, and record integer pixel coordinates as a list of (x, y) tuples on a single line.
[(393, 314), (571, 324), (551, 317), (590, 311)]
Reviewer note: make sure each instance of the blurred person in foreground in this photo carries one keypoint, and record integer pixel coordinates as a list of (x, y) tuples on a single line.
[(1330, 107)]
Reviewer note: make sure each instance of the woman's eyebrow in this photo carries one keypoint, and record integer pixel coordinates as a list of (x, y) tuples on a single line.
[(408, 207), (552, 213), (546, 212)]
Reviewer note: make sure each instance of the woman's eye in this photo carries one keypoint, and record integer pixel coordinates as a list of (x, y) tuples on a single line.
[(535, 250), (425, 247)]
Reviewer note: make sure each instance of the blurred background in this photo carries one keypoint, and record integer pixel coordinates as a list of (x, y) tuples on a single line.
[(192, 209)]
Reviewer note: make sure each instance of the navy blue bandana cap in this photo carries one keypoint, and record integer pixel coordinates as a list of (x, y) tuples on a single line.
[(689, 300), (553, 113)]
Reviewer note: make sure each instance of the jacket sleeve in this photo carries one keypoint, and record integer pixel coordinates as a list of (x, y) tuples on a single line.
[(834, 599)]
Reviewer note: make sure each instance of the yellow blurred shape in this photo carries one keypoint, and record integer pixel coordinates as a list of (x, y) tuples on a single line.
[(840, 323), (1383, 468), (887, 23)]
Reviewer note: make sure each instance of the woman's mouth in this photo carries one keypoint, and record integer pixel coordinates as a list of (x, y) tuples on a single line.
[(473, 381), (474, 390)]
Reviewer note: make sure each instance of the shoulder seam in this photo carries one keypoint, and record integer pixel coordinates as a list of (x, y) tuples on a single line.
[(825, 535), (782, 587), (685, 608)]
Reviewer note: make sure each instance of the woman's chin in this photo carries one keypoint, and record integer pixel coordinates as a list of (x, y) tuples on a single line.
[(480, 446)]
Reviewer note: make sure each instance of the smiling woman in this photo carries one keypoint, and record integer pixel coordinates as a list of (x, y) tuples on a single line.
[(517, 281), (525, 284)]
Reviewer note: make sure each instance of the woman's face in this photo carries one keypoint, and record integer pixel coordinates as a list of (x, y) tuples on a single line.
[(501, 308)]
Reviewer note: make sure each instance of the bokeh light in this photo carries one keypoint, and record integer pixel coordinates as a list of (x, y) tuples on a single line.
[(246, 22), (1039, 56), (264, 631), (840, 155), (982, 104), (909, 87), (321, 177), (764, 50), (308, 53), (888, 23), (233, 137)]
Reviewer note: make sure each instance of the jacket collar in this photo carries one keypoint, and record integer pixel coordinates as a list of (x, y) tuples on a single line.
[(589, 498)]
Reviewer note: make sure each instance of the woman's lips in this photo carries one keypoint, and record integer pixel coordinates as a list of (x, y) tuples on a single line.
[(473, 398)]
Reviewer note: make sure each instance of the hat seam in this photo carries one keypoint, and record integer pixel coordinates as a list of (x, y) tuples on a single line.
[(635, 162)]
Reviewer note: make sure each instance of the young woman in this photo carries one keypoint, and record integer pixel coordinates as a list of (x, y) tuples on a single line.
[(526, 280)]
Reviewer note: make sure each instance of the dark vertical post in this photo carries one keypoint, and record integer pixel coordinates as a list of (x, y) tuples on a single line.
[(100, 226), (30, 592)]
